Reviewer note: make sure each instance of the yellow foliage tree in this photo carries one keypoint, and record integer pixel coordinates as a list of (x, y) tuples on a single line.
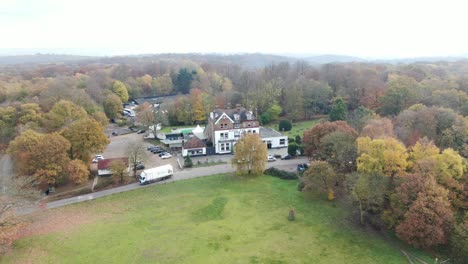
[(250, 155), (385, 156)]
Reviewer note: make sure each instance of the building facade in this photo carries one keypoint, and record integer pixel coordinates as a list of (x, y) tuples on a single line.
[(226, 126)]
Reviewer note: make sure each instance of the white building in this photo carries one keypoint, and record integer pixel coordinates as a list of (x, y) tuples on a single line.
[(225, 127)]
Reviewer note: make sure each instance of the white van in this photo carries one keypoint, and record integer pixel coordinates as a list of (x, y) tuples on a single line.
[(155, 174)]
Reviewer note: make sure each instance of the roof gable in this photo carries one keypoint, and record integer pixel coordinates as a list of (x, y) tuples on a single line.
[(105, 163), (194, 142), (224, 115)]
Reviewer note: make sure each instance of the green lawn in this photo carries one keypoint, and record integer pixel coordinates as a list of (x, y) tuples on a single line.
[(298, 128), (215, 219)]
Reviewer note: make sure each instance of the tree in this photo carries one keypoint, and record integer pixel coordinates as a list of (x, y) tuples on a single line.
[(320, 175), (338, 111), (385, 156), (188, 163), (285, 125), (429, 219), (119, 170), (369, 191), (120, 90), (399, 95), (339, 149), (113, 106), (17, 193), (250, 155), (48, 160), (292, 148), (378, 128), (198, 112), (21, 147), (163, 84), (459, 241), (183, 80), (63, 114), (136, 154), (77, 171), (86, 137), (311, 141)]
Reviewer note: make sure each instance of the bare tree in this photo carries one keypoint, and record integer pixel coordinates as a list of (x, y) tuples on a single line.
[(16, 194), (136, 155)]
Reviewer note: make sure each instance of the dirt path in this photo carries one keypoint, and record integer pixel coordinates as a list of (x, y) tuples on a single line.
[(6, 168)]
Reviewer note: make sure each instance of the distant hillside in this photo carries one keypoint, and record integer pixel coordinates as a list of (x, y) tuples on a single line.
[(330, 58), (42, 58)]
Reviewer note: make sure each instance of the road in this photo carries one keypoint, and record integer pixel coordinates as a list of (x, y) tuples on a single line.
[(289, 165)]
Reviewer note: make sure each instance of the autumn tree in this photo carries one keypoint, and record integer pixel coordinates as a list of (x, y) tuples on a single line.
[(113, 106), (77, 171), (48, 159), (250, 155), (86, 137), (429, 219), (338, 111), (198, 112), (312, 139), (120, 90), (385, 156), (63, 114), (398, 96), (320, 176), (17, 193), (162, 84), (20, 149), (136, 154), (119, 170), (340, 150), (378, 128)]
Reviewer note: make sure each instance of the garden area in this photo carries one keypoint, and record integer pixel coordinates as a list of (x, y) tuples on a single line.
[(214, 219)]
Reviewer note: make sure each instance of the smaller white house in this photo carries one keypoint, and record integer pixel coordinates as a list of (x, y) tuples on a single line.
[(273, 139), (194, 147)]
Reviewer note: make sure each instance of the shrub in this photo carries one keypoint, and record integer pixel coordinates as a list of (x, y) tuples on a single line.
[(188, 163), (284, 175), (285, 125), (292, 148)]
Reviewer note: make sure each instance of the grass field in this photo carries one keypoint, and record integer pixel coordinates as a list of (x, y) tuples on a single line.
[(215, 219), (298, 128)]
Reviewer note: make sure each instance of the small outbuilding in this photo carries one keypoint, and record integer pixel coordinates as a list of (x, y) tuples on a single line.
[(104, 166), (194, 147)]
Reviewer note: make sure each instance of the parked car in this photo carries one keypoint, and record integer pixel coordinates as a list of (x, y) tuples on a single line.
[(166, 156), (286, 157), (140, 166), (271, 158), (150, 146), (158, 151), (141, 131), (162, 153), (302, 167), (114, 133), (154, 148), (97, 158)]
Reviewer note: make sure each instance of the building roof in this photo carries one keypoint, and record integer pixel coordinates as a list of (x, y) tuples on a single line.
[(266, 132), (152, 100), (238, 114), (105, 163), (193, 143)]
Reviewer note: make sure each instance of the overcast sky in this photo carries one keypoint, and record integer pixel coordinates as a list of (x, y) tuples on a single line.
[(371, 29)]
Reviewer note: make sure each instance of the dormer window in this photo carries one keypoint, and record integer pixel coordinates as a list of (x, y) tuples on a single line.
[(236, 117)]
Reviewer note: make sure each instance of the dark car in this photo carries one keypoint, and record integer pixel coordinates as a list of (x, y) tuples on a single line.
[(286, 157), (162, 153), (141, 131), (153, 148), (140, 166), (156, 151), (115, 133), (150, 147), (302, 167)]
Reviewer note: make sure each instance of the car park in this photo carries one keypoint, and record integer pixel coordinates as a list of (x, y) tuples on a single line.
[(271, 158), (97, 158)]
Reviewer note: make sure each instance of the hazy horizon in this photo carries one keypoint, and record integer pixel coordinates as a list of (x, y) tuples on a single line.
[(362, 28)]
